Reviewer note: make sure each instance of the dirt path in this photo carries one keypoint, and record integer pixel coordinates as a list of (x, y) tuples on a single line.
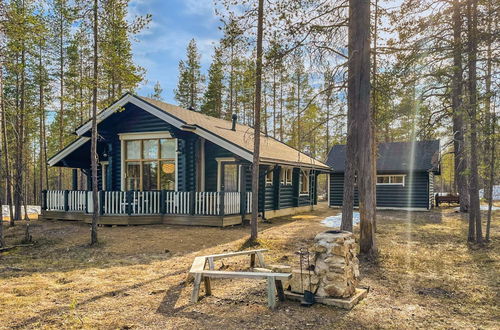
[(426, 276)]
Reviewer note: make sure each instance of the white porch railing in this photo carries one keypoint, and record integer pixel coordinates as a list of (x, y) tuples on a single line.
[(149, 202)]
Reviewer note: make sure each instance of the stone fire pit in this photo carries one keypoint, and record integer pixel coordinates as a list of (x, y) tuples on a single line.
[(335, 264)]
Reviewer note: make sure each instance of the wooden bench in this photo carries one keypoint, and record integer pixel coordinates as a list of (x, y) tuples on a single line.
[(199, 272)]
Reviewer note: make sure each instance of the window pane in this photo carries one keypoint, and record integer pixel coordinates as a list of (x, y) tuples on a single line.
[(269, 178), (167, 175), (396, 179), (168, 148), (149, 176), (382, 179), (289, 176), (230, 177), (133, 149), (133, 175), (150, 149), (304, 182)]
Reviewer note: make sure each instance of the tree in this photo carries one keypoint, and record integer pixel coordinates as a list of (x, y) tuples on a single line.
[(212, 105), (189, 88), (157, 91), (256, 127), (93, 148), (358, 93), (475, 230)]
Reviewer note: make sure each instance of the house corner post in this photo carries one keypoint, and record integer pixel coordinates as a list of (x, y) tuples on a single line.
[(221, 204), (44, 200), (101, 202), (163, 199), (192, 202), (129, 202), (65, 200)]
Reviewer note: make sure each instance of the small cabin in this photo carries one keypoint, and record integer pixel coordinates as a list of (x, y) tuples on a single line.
[(405, 175), (160, 163)]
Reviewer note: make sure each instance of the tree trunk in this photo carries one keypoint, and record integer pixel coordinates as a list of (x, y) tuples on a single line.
[(2, 240), (460, 166), (474, 212), (93, 147), (256, 127), (7, 170), (359, 104)]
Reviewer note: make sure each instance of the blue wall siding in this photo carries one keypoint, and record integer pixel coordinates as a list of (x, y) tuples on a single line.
[(414, 194)]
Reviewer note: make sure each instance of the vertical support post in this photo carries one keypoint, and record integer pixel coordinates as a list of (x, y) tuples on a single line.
[(192, 202), (101, 202), (74, 179), (243, 195), (163, 201), (109, 168), (86, 201), (221, 204), (65, 200), (271, 292), (129, 202), (44, 199)]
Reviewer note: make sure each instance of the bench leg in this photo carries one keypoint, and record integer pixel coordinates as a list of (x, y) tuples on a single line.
[(211, 264), (271, 288), (252, 261), (196, 288), (208, 288), (261, 260), (279, 290)]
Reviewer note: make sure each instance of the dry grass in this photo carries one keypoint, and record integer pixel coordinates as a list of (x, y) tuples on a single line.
[(426, 276)]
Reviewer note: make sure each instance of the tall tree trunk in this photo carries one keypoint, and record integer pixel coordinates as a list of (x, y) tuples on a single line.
[(460, 159), (491, 123), (2, 240), (61, 87), (373, 122), (7, 170), (93, 151), (256, 127), (359, 104), (474, 212)]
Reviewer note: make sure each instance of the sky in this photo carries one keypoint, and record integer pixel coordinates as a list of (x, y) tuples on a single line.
[(160, 47)]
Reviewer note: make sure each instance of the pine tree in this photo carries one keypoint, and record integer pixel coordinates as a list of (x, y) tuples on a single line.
[(190, 86), (157, 91), (212, 105)]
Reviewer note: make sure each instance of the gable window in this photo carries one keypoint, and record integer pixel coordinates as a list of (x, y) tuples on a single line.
[(286, 176), (150, 164), (304, 182), (269, 177), (391, 180)]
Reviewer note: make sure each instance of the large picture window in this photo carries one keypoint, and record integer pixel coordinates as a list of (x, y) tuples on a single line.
[(391, 180), (150, 164)]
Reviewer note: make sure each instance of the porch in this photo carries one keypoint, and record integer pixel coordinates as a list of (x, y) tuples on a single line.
[(148, 207)]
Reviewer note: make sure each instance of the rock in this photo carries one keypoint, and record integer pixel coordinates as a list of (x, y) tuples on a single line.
[(298, 285)]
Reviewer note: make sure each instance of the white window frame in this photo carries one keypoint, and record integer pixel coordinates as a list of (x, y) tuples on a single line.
[(392, 183), (220, 161), (145, 136), (305, 173), (286, 179)]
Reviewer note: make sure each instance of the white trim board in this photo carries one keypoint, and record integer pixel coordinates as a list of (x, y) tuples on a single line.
[(66, 151)]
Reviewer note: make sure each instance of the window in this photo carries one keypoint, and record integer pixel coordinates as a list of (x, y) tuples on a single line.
[(230, 177), (269, 177), (150, 164), (304, 182), (286, 176), (391, 180)]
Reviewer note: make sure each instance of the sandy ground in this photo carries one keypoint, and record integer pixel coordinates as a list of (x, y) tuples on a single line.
[(425, 277)]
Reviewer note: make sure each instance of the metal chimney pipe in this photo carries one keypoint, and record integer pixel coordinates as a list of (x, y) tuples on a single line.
[(234, 117)]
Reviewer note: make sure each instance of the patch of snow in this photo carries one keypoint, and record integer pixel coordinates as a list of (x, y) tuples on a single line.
[(496, 193), (32, 209), (483, 208), (335, 220)]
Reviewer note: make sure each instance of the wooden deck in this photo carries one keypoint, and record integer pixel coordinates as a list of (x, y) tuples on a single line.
[(190, 220)]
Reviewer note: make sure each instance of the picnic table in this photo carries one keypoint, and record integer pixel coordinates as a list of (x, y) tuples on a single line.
[(274, 280)]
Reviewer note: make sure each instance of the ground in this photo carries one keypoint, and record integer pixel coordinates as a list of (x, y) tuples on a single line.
[(425, 277)]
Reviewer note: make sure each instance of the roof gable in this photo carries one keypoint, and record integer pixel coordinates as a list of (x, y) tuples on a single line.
[(395, 156)]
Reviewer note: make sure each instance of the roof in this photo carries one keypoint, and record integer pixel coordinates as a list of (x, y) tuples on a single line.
[(395, 157), (216, 130)]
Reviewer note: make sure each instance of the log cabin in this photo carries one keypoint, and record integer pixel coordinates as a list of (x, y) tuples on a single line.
[(160, 163)]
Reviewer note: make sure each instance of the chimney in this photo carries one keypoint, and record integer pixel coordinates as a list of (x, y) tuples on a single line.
[(191, 108), (234, 117)]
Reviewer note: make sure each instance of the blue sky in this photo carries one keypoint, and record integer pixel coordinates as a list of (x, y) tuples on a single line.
[(159, 48)]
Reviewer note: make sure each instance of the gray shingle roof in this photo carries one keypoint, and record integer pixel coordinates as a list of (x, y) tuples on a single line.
[(394, 157)]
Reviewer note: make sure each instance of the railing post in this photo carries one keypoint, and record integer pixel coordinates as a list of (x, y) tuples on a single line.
[(86, 201), (243, 202), (101, 202), (192, 202), (221, 204), (163, 201), (65, 200), (44, 200), (129, 202)]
